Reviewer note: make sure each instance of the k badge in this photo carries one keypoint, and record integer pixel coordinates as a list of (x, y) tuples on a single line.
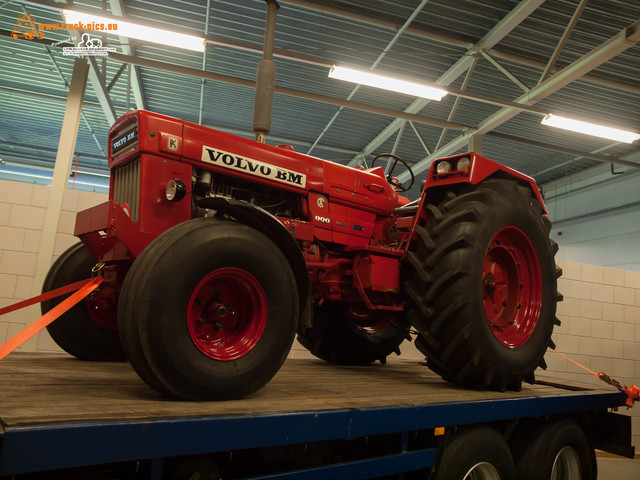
[(173, 143)]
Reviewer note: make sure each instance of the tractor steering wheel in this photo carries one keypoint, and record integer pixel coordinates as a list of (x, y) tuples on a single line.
[(390, 177)]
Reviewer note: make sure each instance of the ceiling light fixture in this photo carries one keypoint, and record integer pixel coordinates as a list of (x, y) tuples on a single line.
[(386, 83), (140, 32), (590, 129)]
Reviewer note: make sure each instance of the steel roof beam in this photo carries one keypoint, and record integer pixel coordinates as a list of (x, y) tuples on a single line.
[(49, 150), (456, 103), (292, 92), (563, 40), (66, 84), (285, 54), (497, 33), (626, 38), (386, 50), (97, 82), (572, 151), (136, 83), (446, 39), (505, 71)]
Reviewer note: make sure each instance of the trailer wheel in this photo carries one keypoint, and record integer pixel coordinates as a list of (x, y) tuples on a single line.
[(89, 330), (351, 335), (208, 310), (476, 454), (482, 280), (558, 450)]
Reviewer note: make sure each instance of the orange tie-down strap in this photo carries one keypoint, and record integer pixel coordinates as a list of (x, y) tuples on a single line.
[(632, 392), (84, 288)]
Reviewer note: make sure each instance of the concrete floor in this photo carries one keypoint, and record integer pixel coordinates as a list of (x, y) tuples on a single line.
[(618, 468)]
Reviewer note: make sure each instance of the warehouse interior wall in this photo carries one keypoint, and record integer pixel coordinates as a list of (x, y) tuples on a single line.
[(600, 313), (595, 216), (22, 213)]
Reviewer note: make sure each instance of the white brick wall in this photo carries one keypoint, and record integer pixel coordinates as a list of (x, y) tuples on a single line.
[(22, 212), (600, 328)]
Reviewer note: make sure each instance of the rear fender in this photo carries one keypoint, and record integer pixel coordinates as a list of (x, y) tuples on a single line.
[(269, 225), (481, 168)]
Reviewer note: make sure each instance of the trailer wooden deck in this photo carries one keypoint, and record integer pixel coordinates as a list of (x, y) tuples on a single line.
[(49, 388), (58, 412)]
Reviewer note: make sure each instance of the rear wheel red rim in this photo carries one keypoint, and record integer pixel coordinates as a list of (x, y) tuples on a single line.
[(227, 314), (511, 287), (369, 321)]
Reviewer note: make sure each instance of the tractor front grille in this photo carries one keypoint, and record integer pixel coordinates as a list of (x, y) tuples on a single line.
[(127, 187)]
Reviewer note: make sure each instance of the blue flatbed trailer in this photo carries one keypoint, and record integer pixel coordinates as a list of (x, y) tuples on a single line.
[(63, 418)]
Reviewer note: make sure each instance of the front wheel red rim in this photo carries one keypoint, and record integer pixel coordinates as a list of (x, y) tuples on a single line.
[(227, 314), (511, 287), (102, 307)]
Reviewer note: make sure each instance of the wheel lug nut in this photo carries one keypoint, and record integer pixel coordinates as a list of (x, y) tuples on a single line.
[(217, 326)]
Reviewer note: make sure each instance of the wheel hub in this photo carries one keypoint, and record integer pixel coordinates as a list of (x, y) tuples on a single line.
[(102, 306), (227, 314), (511, 287)]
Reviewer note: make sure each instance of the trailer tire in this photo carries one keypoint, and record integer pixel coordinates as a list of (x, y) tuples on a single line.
[(478, 453), (345, 338), (482, 282), (557, 450), (212, 313), (81, 332)]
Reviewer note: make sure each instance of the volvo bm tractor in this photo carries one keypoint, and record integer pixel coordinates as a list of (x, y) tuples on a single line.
[(216, 251)]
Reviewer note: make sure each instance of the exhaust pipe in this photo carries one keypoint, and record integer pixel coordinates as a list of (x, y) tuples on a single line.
[(266, 78)]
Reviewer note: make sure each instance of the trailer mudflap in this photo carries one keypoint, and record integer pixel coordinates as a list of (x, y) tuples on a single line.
[(612, 433), (107, 230)]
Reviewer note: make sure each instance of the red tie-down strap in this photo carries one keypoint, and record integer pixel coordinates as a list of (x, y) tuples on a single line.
[(84, 288), (632, 392)]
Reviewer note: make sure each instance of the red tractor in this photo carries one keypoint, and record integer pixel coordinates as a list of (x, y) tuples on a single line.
[(216, 250)]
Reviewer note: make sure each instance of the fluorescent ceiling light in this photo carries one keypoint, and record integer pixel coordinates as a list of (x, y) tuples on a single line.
[(140, 32), (590, 129), (386, 83)]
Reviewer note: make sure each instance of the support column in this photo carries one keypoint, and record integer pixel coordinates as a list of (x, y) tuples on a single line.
[(475, 144), (61, 170)]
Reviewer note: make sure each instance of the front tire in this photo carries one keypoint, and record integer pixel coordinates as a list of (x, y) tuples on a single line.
[(351, 334), (89, 330), (209, 311), (482, 281)]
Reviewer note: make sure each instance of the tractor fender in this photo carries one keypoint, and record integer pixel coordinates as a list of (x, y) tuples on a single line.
[(258, 218)]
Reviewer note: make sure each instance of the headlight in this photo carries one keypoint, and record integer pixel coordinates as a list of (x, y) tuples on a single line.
[(176, 190), (463, 163), (443, 167)]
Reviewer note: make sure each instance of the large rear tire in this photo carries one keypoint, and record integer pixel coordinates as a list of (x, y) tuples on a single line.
[(208, 311), (482, 282), (89, 330), (351, 335)]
